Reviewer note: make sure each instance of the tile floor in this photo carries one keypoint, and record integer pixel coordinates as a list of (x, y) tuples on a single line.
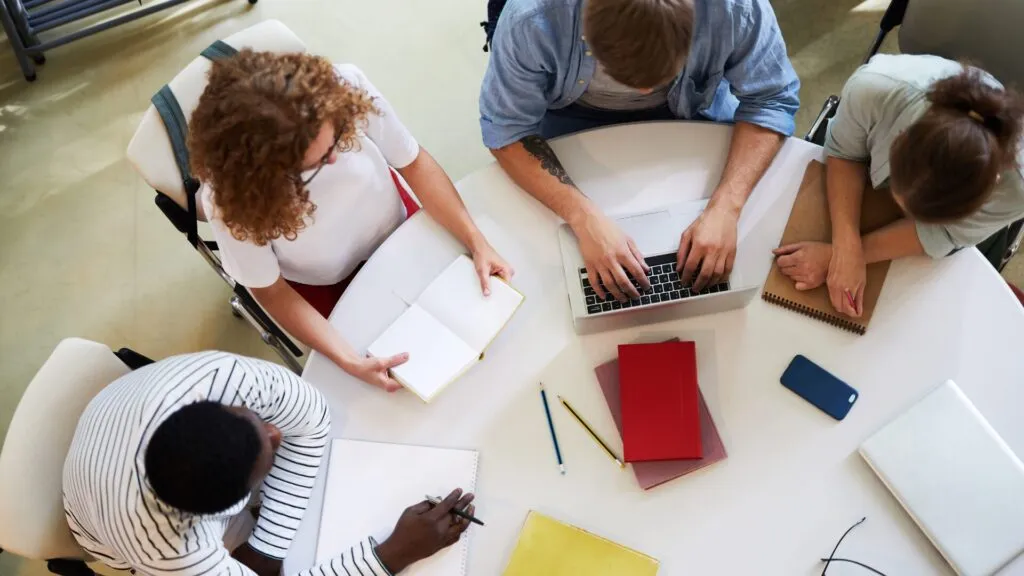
[(83, 250)]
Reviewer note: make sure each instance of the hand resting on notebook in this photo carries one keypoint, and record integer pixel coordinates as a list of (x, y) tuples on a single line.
[(425, 529)]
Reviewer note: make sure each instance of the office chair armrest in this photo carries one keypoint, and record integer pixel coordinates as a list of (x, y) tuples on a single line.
[(816, 134)]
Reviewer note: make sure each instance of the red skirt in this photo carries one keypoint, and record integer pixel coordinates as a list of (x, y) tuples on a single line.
[(323, 298)]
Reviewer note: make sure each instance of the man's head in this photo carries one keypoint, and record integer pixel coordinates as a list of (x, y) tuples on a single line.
[(640, 43), (206, 457)]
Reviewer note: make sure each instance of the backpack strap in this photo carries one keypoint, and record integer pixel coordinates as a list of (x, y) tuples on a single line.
[(219, 49), (494, 8), (173, 117)]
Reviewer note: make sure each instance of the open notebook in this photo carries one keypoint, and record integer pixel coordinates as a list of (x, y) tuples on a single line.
[(447, 329), (370, 484), (956, 478), (809, 221), (547, 547)]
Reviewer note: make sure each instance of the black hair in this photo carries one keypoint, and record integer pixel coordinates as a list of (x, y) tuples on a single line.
[(201, 458)]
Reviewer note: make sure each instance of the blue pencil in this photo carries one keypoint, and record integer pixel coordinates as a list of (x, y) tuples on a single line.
[(551, 426)]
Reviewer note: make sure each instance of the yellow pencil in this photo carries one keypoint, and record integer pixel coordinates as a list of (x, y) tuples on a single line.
[(592, 433)]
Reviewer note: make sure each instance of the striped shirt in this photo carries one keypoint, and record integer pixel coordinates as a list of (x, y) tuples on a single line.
[(116, 517)]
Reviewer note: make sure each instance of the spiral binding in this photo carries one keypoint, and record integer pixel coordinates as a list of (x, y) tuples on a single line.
[(816, 314)]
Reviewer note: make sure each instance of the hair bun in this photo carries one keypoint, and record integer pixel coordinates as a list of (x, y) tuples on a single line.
[(998, 110)]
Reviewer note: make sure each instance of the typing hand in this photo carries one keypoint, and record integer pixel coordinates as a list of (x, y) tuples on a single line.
[(805, 263), (489, 263), (423, 530), (375, 371), (847, 277), (609, 254), (708, 247)]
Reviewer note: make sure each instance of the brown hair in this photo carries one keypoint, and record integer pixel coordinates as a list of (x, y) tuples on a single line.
[(945, 166), (640, 43), (253, 125)]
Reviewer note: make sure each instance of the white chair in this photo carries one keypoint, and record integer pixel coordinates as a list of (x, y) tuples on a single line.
[(153, 156), (32, 522)]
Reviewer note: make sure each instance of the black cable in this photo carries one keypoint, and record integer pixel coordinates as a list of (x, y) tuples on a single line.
[(861, 564), (828, 560)]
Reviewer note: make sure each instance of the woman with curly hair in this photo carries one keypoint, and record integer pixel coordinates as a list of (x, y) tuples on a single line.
[(944, 138), (300, 162)]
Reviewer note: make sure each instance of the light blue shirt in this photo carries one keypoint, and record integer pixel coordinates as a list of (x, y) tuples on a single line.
[(880, 101), (737, 69)]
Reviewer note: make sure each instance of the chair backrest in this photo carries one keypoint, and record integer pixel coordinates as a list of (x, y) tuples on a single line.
[(985, 32), (32, 522), (150, 149)]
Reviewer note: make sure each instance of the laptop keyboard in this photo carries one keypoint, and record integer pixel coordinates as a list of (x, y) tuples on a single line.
[(666, 286)]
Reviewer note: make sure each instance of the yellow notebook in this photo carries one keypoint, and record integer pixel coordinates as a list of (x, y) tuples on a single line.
[(446, 330), (548, 547)]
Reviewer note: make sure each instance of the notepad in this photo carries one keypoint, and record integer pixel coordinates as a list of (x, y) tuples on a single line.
[(447, 329), (956, 478), (547, 547), (810, 221), (660, 401), (370, 484), (655, 473)]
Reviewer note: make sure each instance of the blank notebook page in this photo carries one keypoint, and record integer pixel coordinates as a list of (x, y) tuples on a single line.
[(436, 354), (370, 484), (956, 477), (456, 299)]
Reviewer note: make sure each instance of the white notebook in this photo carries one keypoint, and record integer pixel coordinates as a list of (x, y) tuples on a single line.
[(370, 484), (956, 478), (447, 329)]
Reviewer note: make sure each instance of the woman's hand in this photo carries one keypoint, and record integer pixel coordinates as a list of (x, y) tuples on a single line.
[(489, 263), (847, 277), (806, 263), (376, 371)]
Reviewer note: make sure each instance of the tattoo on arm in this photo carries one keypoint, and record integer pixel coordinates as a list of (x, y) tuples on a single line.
[(539, 149)]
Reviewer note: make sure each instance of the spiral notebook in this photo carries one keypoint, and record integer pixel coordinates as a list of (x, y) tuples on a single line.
[(809, 221), (370, 484)]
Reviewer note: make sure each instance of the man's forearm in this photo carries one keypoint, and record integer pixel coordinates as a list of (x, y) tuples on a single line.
[(897, 240), (533, 165), (440, 199), (751, 151), (845, 181)]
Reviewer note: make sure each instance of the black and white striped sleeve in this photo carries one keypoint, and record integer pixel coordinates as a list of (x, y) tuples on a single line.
[(301, 413)]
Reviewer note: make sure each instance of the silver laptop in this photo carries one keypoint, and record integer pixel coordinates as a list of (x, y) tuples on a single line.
[(670, 297)]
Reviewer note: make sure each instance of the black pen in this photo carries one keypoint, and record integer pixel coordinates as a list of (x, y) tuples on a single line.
[(435, 501)]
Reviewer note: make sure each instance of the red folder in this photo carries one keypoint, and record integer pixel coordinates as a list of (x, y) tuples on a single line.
[(660, 401)]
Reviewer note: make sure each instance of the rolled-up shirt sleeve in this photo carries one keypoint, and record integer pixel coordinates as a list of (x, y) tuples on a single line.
[(1005, 206), (512, 96), (760, 74)]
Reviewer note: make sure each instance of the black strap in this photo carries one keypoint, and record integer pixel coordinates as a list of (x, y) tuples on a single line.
[(167, 106), (219, 49)]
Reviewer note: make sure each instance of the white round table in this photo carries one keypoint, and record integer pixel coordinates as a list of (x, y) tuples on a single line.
[(792, 482)]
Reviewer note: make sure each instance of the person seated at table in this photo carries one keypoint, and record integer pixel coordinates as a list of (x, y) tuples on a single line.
[(560, 66), (165, 458), (944, 138), (300, 161)]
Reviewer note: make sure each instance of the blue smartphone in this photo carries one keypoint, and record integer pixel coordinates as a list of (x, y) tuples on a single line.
[(814, 384)]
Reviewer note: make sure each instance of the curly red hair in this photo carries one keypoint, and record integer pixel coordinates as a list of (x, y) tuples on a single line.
[(256, 119)]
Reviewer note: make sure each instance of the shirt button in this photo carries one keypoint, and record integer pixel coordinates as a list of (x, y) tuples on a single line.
[(589, 53), (584, 38), (580, 82)]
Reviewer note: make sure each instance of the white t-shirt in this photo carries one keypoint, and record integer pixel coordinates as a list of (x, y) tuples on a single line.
[(357, 207)]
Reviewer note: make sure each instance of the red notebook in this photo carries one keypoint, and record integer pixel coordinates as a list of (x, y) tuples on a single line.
[(655, 473), (660, 401)]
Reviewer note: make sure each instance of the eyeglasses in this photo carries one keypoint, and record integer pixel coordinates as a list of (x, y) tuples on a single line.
[(323, 161)]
